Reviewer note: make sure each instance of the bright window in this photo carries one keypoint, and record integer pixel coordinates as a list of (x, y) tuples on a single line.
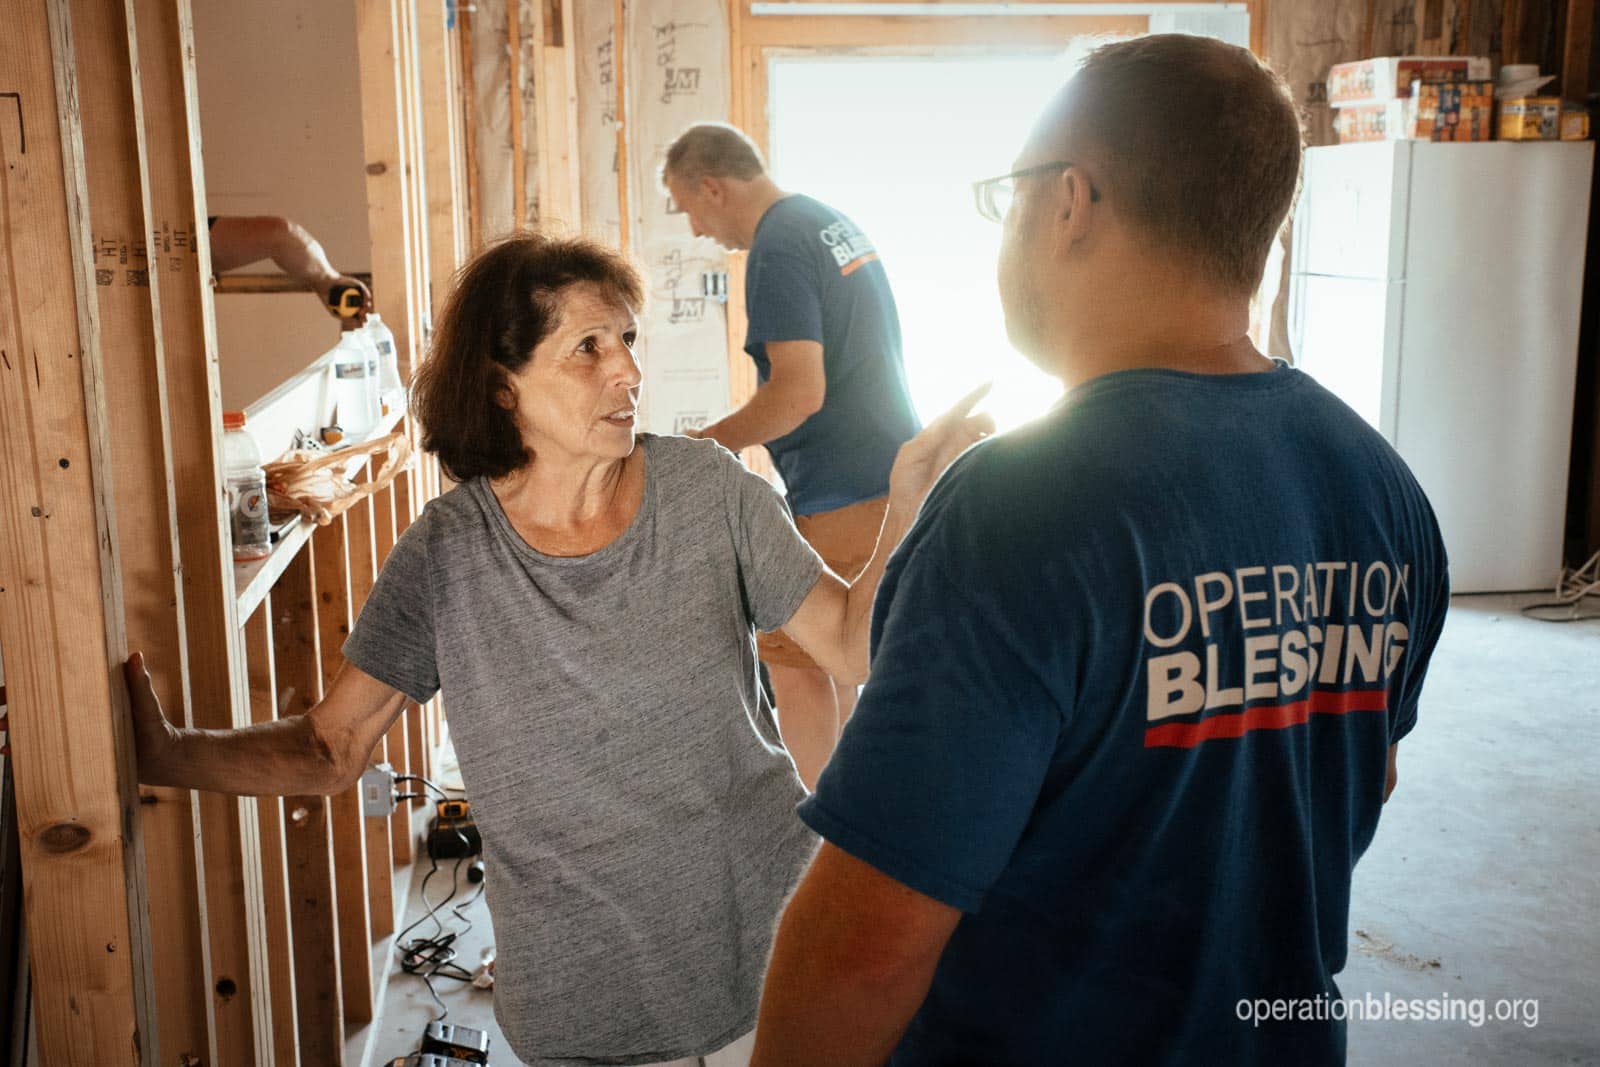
[(895, 143)]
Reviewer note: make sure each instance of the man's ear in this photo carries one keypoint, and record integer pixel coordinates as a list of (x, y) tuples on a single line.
[(1075, 209)]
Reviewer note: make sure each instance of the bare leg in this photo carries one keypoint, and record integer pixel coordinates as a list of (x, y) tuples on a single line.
[(808, 717)]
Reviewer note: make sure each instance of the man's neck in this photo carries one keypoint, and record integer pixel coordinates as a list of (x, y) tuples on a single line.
[(760, 195), (1193, 332)]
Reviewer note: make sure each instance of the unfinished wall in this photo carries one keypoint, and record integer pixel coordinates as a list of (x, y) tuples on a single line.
[(676, 70), (489, 92), (545, 91), (280, 112), (595, 40)]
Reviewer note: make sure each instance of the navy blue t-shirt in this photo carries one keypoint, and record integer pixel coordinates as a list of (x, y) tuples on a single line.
[(813, 275), (1136, 670)]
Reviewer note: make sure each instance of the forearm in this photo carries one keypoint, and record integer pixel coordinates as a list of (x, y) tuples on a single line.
[(768, 415), (285, 757), (827, 1002), (858, 601), (300, 255)]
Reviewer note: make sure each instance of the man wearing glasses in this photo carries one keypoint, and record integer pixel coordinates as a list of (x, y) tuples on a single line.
[(1140, 668), (833, 407)]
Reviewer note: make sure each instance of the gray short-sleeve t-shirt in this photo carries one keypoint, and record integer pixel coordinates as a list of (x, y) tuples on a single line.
[(637, 813)]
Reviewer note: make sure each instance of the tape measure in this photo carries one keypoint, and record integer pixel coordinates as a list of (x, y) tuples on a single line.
[(346, 302)]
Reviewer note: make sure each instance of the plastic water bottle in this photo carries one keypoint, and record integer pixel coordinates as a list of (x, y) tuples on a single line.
[(391, 391), (247, 490), (355, 383)]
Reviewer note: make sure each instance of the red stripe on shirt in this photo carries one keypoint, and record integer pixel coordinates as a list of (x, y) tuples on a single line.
[(1265, 717), (856, 264)]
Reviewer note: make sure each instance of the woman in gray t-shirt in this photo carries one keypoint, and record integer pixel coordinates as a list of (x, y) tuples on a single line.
[(586, 599)]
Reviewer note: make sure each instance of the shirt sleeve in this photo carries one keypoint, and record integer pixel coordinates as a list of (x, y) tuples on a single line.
[(393, 639), (1428, 624), (784, 302), (777, 568), (940, 768)]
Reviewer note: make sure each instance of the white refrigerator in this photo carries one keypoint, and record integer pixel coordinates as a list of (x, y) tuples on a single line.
[(1436, 289)]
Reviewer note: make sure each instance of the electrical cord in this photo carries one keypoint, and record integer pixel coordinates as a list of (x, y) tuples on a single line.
[(418, 778), (434, 956), (1573, 590)]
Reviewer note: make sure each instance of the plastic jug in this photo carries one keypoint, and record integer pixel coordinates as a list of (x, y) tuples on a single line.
[(391, 391), (247, 490), (355, 383)]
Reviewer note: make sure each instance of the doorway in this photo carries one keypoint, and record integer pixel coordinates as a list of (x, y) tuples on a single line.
[(895, 142)]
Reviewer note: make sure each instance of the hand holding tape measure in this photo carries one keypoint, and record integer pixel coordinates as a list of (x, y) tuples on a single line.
[(348, 299)]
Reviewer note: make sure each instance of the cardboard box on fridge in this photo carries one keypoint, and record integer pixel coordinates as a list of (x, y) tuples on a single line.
[(1436, 111), (1385, 78), (1389, 121), (1452, 111), (1530, 118)]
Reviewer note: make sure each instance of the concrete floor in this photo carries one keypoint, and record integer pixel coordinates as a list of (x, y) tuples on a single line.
[(1481, 883), (407, 1007), (1482, 880)]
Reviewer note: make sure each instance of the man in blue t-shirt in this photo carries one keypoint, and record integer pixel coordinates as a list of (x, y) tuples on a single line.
[(832, 407), (1140, 668)]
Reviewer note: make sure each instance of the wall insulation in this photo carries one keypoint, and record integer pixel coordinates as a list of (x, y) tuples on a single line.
[(676, 74), (674, 68)]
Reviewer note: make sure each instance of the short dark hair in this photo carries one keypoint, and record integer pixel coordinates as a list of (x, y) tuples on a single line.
[(712, 150), (1201, 142), (504, 303)]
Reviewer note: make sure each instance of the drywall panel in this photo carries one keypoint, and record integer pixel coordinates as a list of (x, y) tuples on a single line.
[(280, 114), (676, 73)]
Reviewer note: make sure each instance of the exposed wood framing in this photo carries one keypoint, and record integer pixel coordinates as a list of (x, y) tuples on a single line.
[(519, 165), (332, 569), (230, 873), (267, 911), (384, 135), (469, 127), (618, 56), (308, 848), (409, 78), (443, 150), (397, 744), (275, 871), (378, 853), (61, 601), (1575, 53)]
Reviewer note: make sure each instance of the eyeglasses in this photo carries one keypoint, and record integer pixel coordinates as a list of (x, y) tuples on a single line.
[(993, 195)]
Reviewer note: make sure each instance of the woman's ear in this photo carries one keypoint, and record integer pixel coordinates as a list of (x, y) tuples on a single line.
[(505, 393)]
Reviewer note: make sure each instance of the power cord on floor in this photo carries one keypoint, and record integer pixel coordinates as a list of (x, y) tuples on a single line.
[(1573, 591), (434, 957)]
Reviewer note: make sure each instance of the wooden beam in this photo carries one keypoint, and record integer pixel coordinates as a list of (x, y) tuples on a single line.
[(519, 163), (279, 921), (1579, 40), (331, 563), (233, 891), (620, 66), (401, 846), (469, 130), (1043, 33), (383, 138), (360, 529), (117, 170), (308, 849), (61, 606), (410, 97), (441, 145)]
